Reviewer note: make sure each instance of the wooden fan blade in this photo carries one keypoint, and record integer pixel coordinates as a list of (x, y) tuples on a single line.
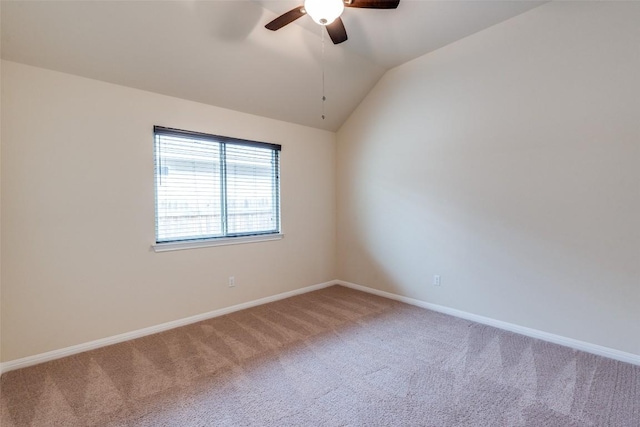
[(286, 18), (337, 32), (373, 4)]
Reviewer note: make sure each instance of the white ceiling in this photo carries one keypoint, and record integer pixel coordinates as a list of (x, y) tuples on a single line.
[(219, 53)]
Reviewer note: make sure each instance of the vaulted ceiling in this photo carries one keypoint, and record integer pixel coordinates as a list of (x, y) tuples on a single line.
[(219, 53)]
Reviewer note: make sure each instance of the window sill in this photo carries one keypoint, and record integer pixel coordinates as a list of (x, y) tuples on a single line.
[(178, 246)]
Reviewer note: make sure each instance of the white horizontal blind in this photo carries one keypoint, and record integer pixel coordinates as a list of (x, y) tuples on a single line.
[(209, 187)]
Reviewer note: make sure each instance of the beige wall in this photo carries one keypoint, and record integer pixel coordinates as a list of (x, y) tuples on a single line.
[(78, 213), (508, 163)]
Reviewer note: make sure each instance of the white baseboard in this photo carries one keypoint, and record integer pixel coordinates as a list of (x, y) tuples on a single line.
[(534, 333), (75, 349)]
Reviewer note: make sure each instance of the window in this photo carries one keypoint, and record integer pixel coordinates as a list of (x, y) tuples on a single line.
[(214, 187)]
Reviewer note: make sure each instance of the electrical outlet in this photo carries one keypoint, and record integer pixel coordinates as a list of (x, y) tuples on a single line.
[(436, 280), (232, 281)]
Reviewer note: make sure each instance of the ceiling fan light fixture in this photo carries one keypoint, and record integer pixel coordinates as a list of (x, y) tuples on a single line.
[(324, 12)]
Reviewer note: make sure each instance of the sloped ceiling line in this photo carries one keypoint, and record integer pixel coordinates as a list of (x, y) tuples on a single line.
[(219, 53)]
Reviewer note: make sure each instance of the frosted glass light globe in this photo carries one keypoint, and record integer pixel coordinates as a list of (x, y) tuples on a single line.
[(324, 12)]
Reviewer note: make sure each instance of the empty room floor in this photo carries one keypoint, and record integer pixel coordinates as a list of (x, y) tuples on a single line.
[(333, 357)]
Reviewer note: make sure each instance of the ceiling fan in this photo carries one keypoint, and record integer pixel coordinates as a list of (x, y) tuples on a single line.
[(327, 13)]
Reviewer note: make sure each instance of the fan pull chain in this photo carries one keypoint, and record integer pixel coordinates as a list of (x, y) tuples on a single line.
[(323, 97)]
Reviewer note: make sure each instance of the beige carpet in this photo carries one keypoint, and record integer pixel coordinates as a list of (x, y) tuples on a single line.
[(335, 357)]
